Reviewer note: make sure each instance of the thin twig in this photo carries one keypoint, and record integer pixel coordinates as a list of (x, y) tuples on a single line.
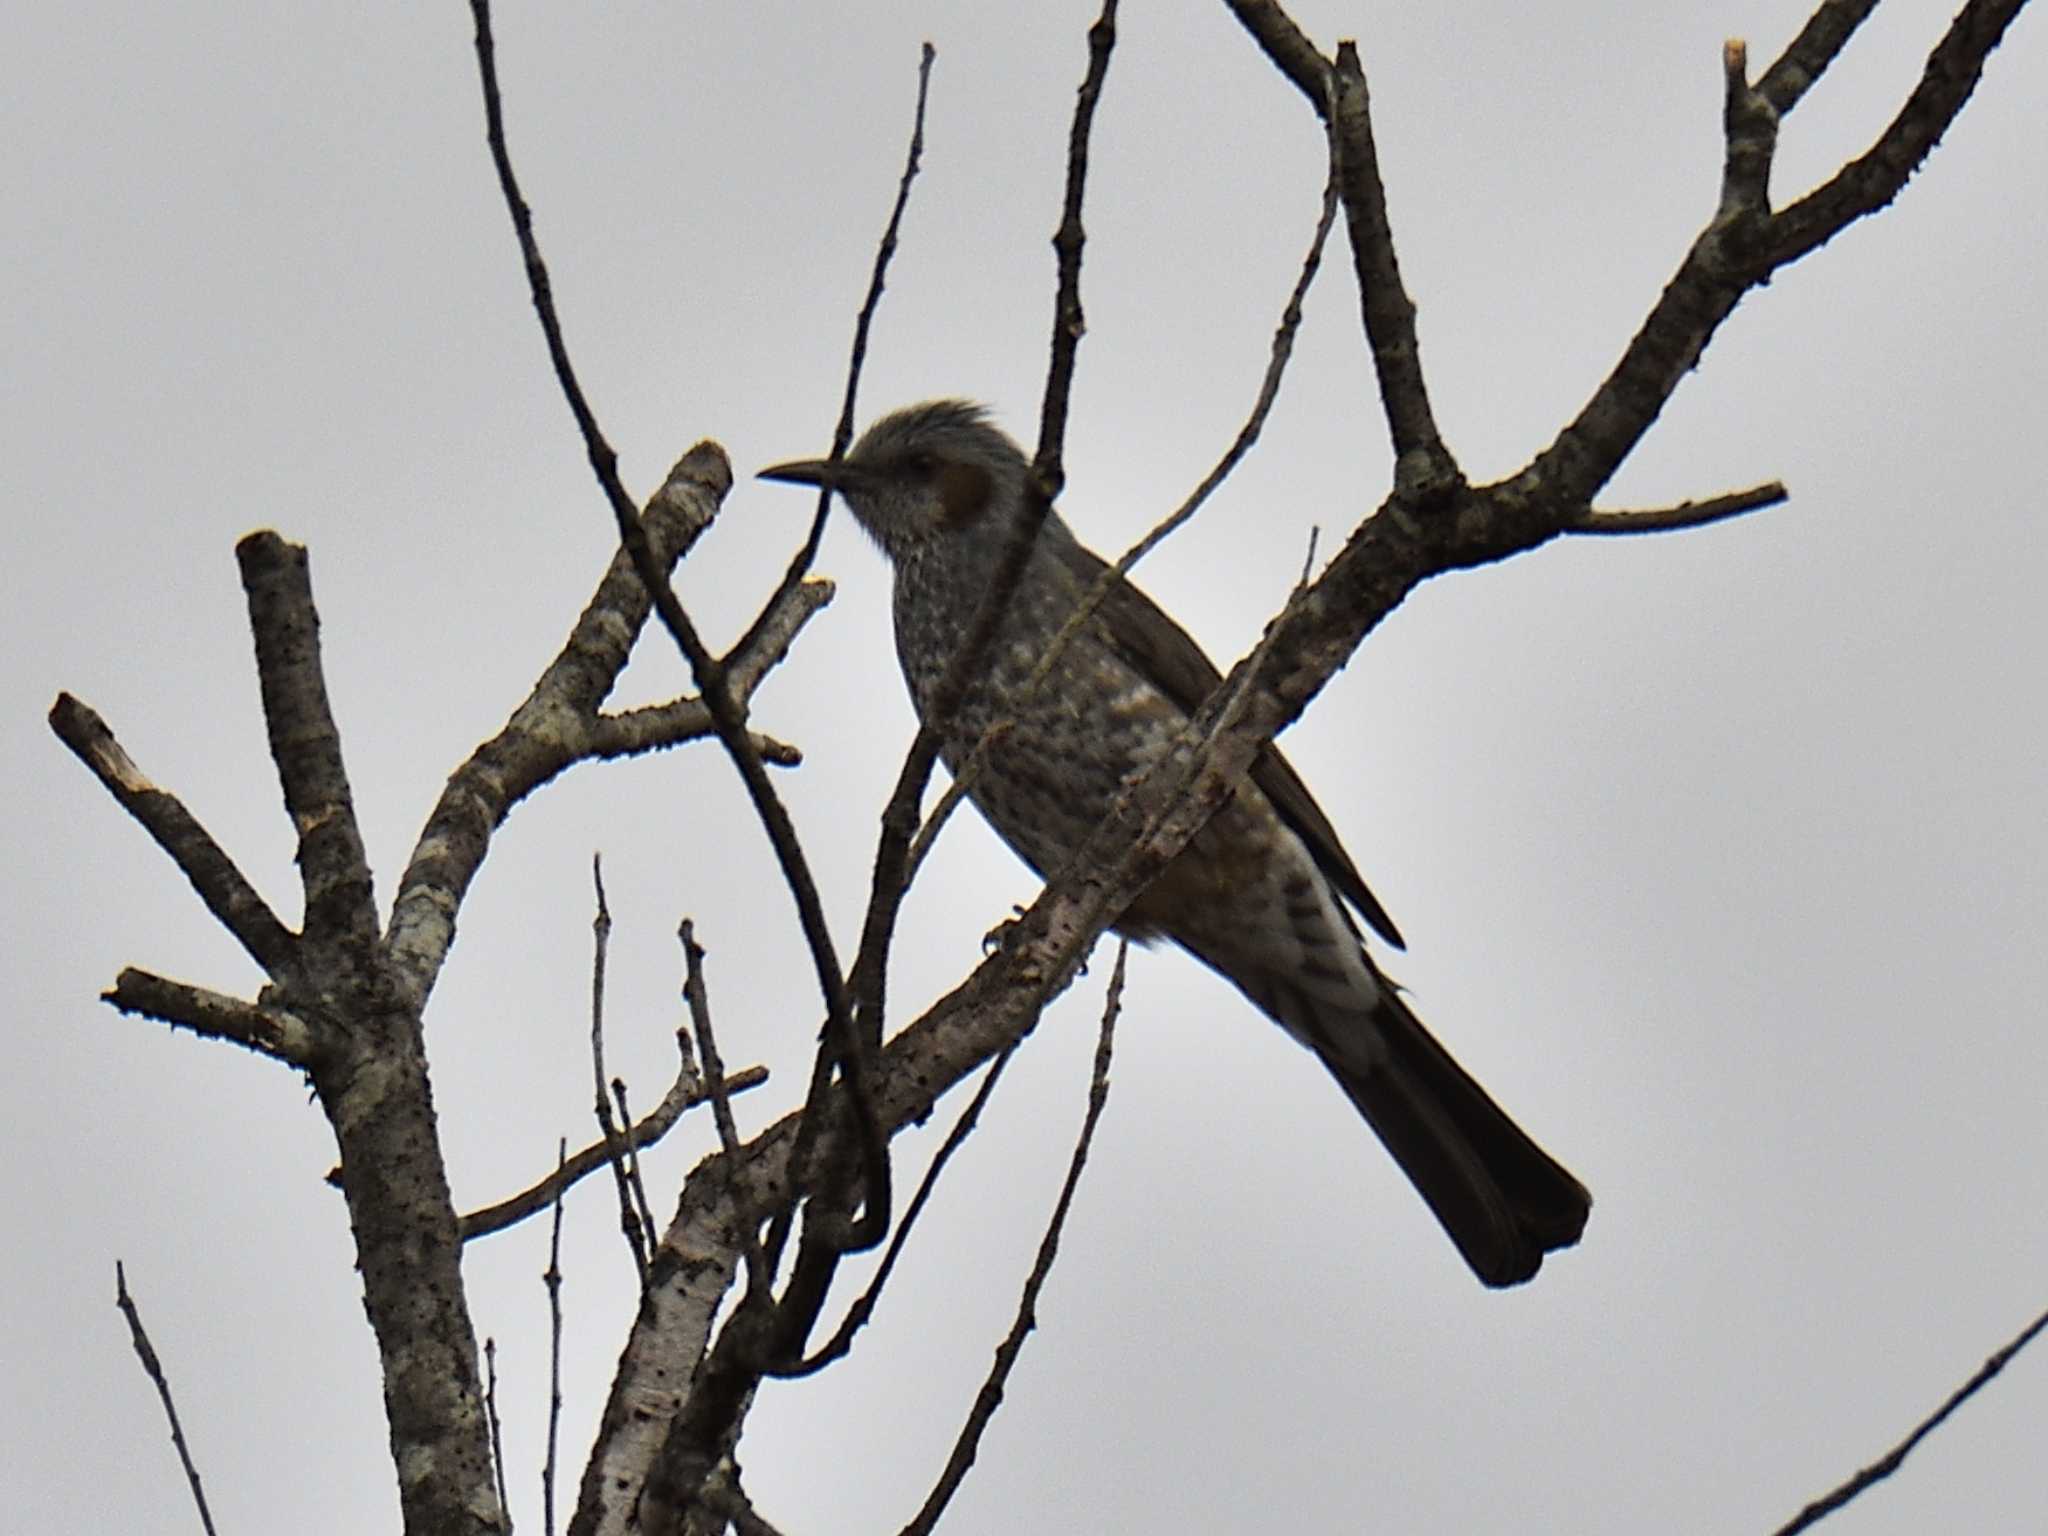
[(552, 1279), (685, 1094), (639, 1238), (800, 565), (863, 1309), (760, 1276), (497, 1429), (153, 1368), (1687, 514), (633, 1180), (707, 670), (990, 1397), (866, 977), (1890, 1462)]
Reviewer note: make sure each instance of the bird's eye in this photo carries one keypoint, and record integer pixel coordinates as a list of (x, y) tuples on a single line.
[(922, 464)]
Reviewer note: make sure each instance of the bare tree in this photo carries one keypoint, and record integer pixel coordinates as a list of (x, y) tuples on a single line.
[(736, 1282)]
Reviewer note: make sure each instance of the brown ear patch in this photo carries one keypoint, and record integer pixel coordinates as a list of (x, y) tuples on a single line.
[(963, 491)]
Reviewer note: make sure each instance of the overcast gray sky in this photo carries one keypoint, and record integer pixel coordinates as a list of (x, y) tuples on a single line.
[(1723, 857)]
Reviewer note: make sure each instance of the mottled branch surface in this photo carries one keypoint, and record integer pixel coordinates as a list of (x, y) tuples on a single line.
[(346, 996)]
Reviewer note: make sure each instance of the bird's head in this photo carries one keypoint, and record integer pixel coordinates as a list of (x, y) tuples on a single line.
[(922, 477)]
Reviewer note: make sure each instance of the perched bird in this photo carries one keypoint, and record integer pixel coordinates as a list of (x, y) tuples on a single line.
[(1259, 894)]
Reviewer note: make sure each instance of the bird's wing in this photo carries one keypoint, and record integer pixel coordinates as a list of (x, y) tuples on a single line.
[(1146, 637)]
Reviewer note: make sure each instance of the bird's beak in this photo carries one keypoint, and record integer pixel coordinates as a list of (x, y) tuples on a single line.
[(837, 476)]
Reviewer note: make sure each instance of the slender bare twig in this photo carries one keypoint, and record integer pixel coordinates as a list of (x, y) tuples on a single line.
[(497, 1429), (685, 1093), (226, 891), (655, 726), (153, 1368), (990, 1397), (863, 1308), (865, 982), (633, 1180), (640, 1237), (552, 1279), (1891, 1461), (800, 564), (708, 670), (760, 1275), (1687, 514)]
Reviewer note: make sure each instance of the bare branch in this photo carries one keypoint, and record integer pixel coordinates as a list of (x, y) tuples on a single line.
[(1893, 1459), (497, 1430), (273, 1032), (760, 1276), (226, 891), (682, 1095), (800, 565), (1874, 178), (1809, 54), (1289, 49), (1420, 457), (551, 730), (727, 715), (634, 1182), (863, 1309), (1048, 473), (304, 742), (1729, 257), (153, 1368), (552, 1280), (656, 726), (1687, 514), (640, 1236), (990, 1397)]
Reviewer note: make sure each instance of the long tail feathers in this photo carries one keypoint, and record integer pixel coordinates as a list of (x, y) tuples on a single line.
[(1504, 1201)]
